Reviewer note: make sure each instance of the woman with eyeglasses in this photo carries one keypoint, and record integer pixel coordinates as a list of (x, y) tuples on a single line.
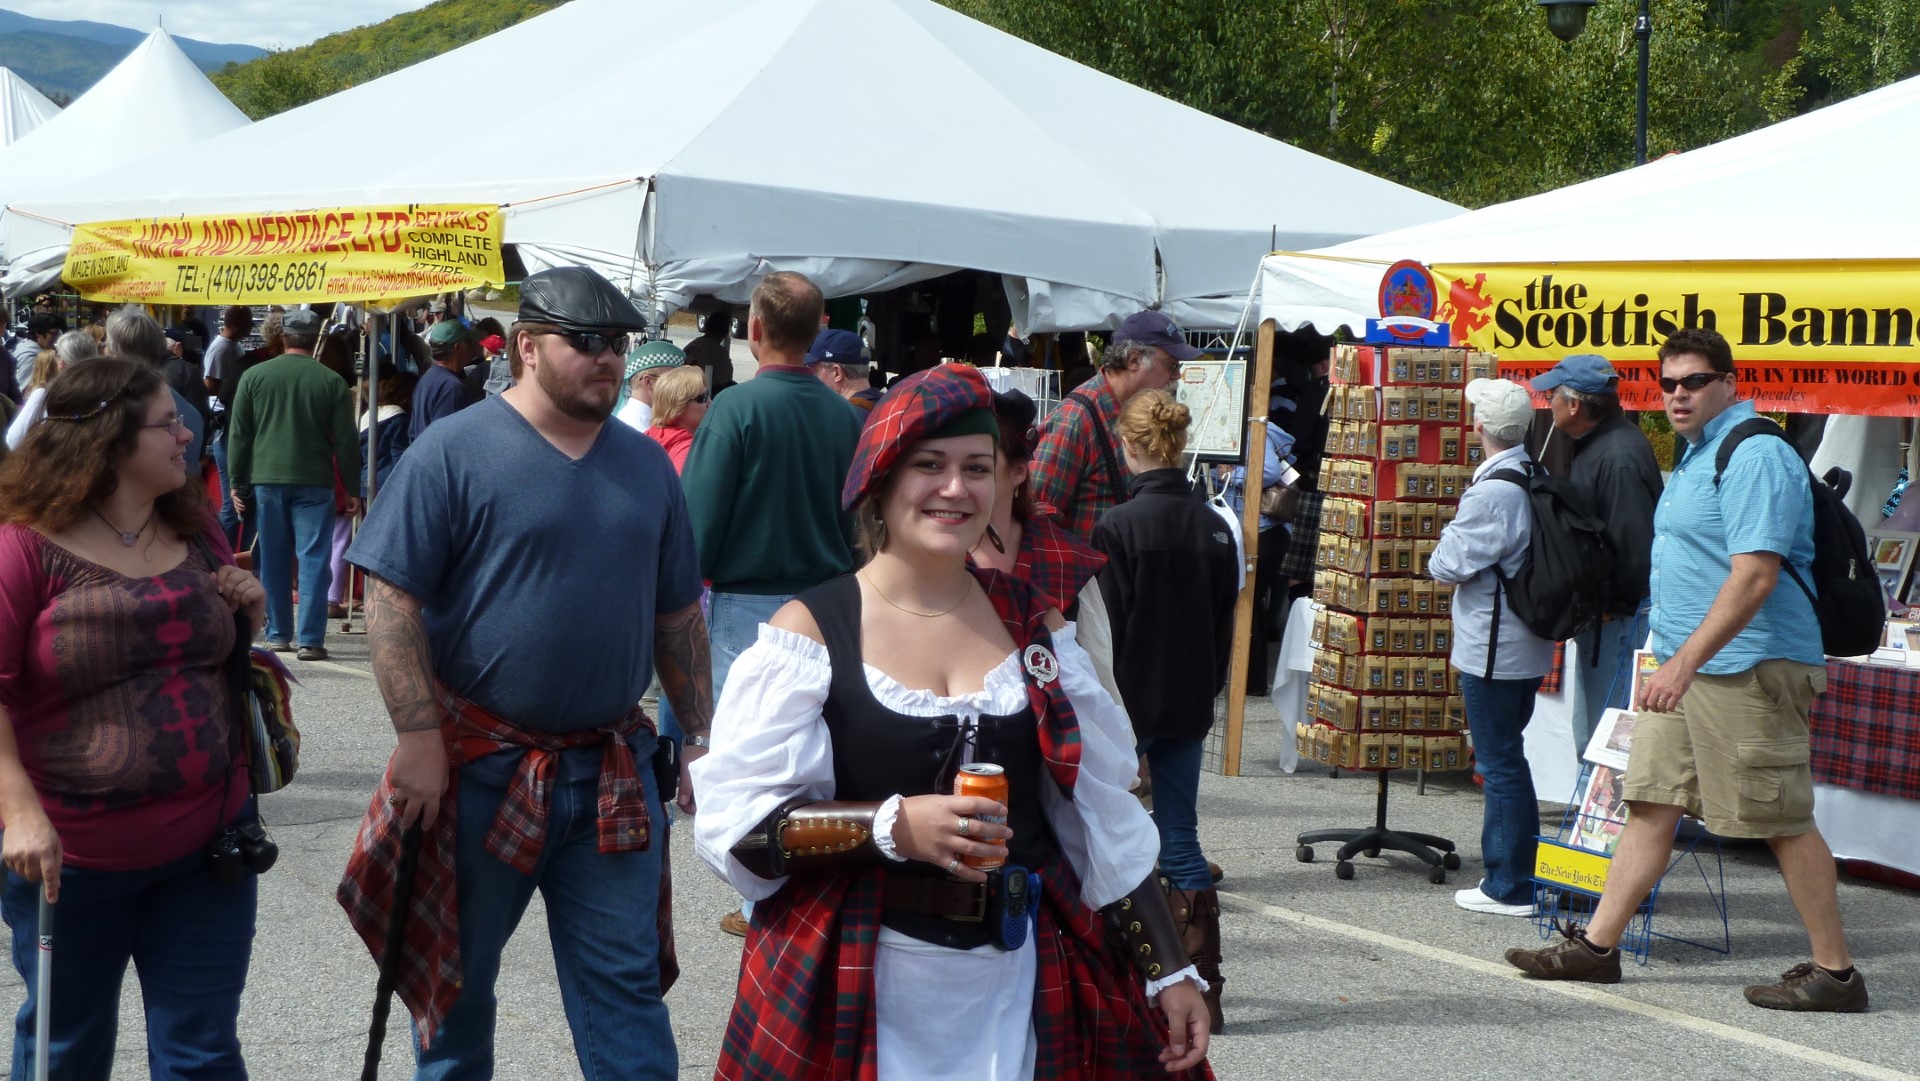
[(679, 405), (901, 928), (119, 765)]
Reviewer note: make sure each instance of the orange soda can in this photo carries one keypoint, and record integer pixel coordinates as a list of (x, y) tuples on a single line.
[(988, 781)]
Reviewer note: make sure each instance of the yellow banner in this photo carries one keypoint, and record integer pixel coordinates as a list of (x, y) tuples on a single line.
[(1807, 337), (1575, 868), (309, 256)]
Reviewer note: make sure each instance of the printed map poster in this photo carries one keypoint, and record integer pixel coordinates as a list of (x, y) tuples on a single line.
[(1216, 392)]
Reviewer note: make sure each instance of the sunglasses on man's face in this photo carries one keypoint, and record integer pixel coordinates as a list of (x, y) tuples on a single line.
[(1696, 381), (592, 343)]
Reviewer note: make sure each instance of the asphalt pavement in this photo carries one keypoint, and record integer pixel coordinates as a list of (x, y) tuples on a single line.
[(1379, 977)]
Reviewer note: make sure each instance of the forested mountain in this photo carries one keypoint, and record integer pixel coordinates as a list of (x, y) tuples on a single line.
[(292, 77), (62, 58)]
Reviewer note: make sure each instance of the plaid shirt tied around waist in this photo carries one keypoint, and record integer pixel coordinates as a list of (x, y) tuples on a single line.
[(430, 974)]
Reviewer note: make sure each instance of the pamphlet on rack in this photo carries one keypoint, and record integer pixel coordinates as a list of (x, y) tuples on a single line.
[(1611, 739), (1603, 811)]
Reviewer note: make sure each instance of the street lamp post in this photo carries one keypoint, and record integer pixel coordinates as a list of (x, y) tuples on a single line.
[(1567, 18)]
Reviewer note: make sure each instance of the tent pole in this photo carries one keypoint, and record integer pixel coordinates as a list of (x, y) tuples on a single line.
[(367, 395), (1243, 613)]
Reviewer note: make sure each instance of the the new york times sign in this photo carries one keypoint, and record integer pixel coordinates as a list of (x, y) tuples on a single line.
[(1807, 336)]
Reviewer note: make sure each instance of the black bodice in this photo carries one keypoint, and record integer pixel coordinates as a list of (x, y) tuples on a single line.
[(878, 752)]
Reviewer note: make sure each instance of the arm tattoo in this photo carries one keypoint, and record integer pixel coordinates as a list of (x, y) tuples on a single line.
[(680, 654), (402, 663)]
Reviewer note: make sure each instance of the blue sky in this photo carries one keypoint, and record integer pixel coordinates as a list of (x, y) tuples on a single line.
[(267, 23)]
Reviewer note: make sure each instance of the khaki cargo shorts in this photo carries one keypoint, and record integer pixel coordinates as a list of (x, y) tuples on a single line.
[(1734, 753)]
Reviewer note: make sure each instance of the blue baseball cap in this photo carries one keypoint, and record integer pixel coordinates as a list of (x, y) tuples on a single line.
[(1159, 329), (1588, 373), (837, 347)]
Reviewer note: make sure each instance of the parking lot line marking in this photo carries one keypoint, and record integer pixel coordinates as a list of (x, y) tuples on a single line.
[(1580, 991)]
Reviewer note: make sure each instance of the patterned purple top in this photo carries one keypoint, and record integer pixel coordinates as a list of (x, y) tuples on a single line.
[(116, 691)]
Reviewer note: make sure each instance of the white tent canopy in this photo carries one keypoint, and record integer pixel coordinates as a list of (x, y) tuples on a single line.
[(1830, 185), (689, 146), (155, 101), (22, 108)]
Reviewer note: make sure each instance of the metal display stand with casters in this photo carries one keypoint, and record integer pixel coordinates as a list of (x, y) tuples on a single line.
[(1370, 841)]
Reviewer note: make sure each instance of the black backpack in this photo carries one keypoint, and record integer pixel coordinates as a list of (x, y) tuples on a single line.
[(1566, 582), (1849, 601)]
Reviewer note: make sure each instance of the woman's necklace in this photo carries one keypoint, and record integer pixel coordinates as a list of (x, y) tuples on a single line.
[(127, 540), (968, 592)]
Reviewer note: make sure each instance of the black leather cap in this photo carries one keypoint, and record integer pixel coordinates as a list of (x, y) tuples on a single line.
[(577, 298)]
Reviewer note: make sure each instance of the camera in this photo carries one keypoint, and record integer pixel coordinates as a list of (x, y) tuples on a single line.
[(241, 848)]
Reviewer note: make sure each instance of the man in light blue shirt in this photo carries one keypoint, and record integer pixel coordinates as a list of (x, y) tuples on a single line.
[(1501, 662), (1722, 726)]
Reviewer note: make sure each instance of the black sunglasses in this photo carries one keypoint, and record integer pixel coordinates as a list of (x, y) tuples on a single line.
[(1696, 381), (592, 342)]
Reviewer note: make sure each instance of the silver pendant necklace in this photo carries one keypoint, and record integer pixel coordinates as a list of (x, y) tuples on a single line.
[(127, 540)]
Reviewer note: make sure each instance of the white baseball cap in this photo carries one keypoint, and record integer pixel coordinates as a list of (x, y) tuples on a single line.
[(1500, 403)]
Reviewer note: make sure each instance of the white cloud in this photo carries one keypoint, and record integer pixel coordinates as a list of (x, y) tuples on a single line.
[(267, 23)]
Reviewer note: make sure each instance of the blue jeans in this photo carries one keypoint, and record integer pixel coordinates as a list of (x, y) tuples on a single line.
[(600, 920), (295, 521), (1497, 713), (189, 939), (229, 518), (1605, 686), (735, 626), (1175, 766)]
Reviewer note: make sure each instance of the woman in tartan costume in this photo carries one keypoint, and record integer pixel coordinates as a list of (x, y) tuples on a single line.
[(835, 738)]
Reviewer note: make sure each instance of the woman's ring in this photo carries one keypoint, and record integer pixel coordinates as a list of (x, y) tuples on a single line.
[(953, 865), (964, 820), (395, 800)]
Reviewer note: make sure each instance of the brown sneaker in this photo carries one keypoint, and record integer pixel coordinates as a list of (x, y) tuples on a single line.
[(1571, 958), (1811, 989), (734, 923)]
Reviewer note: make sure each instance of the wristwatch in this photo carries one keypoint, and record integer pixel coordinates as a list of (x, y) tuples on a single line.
[(696, 741)]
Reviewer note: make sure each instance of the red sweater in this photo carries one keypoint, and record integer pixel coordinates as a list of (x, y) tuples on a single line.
[(675, 441)]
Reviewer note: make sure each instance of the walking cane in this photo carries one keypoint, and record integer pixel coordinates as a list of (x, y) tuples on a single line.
[(43, 990), (390, 955)]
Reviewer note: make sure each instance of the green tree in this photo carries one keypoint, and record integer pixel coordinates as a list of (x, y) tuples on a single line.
[(1472, 100), (290, 78), (1864, 45)]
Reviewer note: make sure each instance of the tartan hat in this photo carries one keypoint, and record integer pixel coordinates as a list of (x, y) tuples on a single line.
[(946, 400)]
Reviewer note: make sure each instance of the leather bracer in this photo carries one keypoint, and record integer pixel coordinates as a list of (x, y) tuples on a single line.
[(802, 834), (1145, 924)]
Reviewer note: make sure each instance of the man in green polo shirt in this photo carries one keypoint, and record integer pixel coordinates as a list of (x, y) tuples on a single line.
[(291, 429)]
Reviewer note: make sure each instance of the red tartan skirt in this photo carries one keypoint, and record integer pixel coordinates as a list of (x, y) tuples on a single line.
[(804, 1010)]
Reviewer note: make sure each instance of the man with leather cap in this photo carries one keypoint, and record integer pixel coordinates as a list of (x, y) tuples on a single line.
[(515, 616)]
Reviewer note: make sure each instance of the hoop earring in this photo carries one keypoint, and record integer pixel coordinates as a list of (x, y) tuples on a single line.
[(993, 538)]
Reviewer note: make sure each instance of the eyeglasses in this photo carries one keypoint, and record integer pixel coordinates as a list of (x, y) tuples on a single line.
[(173, 425), (1696, 381), (593, 342)]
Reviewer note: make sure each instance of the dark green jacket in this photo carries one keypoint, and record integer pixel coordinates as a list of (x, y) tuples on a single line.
[(292, 420), (763, 484)]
